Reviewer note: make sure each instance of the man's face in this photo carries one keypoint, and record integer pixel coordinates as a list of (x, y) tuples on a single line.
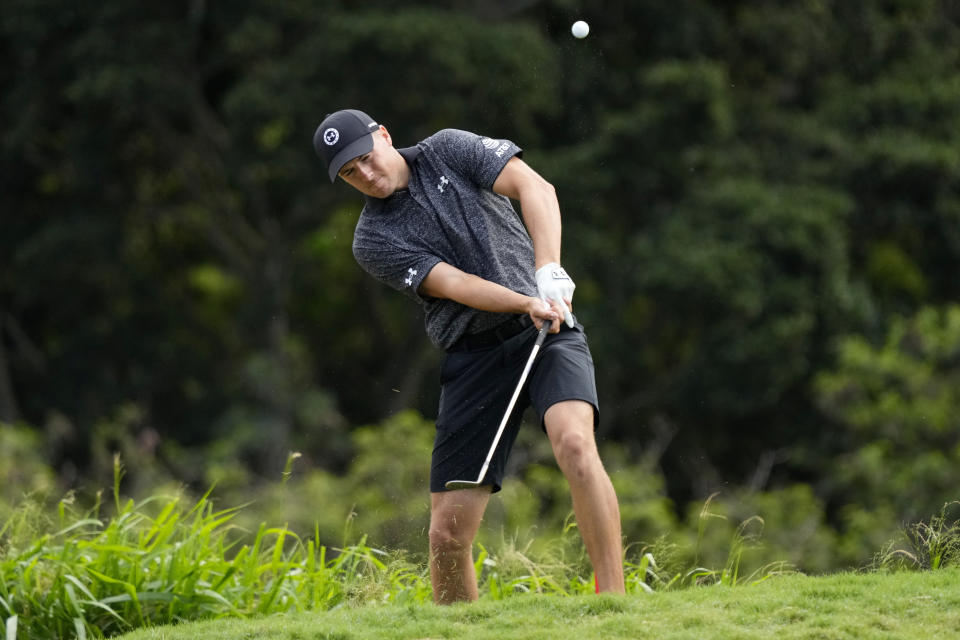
[(377, 173)]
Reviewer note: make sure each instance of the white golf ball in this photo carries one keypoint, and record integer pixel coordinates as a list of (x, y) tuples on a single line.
[(580, 29)]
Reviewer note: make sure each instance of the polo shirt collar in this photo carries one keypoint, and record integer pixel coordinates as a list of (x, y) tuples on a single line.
[(409, 153)]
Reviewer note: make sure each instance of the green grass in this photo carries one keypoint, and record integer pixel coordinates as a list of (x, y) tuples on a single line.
[(157, 561), (163, 560), (906, 605), (167, 561)]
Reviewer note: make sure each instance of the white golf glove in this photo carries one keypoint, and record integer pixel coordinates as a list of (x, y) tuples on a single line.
[(553, 283)]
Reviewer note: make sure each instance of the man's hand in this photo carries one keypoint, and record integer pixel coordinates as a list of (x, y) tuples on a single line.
[(553, 284), (541, 311)]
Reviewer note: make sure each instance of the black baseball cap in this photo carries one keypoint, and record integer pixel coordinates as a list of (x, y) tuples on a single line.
[(342, 136)]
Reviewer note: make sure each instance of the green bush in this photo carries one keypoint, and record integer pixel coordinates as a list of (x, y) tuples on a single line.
[(23, 471), (782, 525), (896, 405), (383, 493)]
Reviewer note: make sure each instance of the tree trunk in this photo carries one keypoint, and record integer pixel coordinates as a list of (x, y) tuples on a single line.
[(9, 412)]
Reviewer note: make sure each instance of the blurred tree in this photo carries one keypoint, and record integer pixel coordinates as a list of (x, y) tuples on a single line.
[(734, 214), (741, 184), (173, 242), (896, 407)]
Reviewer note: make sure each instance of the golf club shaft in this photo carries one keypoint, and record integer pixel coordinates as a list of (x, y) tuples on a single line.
[(544, 329)]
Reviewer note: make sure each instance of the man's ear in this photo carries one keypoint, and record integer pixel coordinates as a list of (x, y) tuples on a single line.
[(382, 131)]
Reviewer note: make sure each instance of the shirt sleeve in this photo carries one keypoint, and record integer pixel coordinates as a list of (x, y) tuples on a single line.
[(479, 158), (400, 268)]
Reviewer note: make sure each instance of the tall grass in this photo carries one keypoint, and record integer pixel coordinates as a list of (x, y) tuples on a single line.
[(73, 574), (163, 560), (925, 545), (159, 561), (659, 566)]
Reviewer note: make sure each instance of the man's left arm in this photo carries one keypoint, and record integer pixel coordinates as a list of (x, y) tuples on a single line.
[(541, 214), (538, 205)]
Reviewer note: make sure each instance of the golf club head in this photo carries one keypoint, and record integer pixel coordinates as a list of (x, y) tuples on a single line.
[(462, 484)]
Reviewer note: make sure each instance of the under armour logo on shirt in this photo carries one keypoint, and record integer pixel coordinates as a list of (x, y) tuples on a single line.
[(409, 279), (443, 182)]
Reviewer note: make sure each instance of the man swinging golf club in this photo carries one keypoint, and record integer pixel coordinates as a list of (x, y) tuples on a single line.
[(438, 225)]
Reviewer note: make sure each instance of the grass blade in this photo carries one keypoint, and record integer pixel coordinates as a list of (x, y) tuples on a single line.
[(80, 628)]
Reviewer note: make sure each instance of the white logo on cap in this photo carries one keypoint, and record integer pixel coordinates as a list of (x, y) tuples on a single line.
[(330, 136), (490, 144)]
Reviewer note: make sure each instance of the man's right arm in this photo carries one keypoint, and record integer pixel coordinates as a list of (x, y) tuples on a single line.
[(447, 282)]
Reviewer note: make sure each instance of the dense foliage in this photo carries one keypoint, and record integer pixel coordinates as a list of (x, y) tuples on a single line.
[(761, 211)]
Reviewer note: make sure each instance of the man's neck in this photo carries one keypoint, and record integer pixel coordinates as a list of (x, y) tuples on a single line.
[(409, 154), (404, 181)]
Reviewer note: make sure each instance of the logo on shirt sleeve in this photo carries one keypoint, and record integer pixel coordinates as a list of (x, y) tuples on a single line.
[(491, 145)]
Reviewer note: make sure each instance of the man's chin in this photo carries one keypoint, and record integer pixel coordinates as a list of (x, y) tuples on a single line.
[(379, 192)]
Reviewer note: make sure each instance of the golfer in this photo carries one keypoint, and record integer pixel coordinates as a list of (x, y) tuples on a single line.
[(438, 225)]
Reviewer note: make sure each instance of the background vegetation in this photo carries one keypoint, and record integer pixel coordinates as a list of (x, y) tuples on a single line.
[(761, 212)]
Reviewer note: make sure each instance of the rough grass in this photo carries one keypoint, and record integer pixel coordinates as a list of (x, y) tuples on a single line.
[(891, 605), (163, 561)]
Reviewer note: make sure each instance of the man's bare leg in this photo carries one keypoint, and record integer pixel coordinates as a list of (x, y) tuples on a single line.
[(570, 428), (455, 517)]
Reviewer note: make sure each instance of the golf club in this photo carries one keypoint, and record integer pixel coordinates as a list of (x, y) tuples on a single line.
[(470, 484)]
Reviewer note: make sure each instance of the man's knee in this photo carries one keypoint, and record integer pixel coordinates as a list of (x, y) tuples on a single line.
[(454, 522), (576, 452), (448, 540), (570, 428)]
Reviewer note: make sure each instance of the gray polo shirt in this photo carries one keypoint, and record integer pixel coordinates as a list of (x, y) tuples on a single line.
[(448, 213)]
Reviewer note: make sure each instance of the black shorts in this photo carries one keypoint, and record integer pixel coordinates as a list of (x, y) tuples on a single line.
[(476, 387)]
